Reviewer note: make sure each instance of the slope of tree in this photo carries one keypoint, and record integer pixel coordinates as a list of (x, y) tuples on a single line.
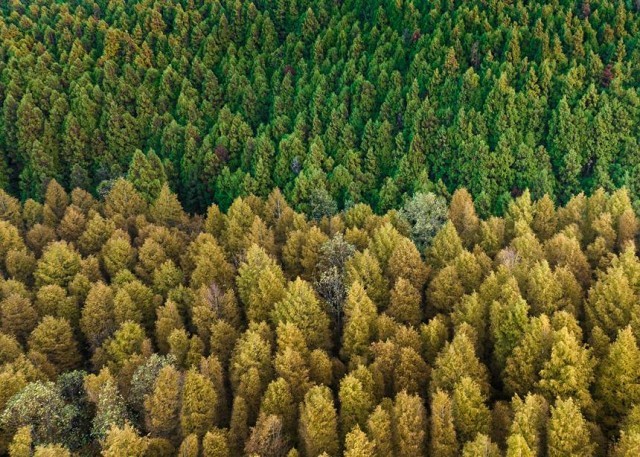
[(334, 102), (171, 334)]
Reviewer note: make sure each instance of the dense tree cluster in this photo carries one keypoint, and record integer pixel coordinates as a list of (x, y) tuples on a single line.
[(129, 327), (334, 102)]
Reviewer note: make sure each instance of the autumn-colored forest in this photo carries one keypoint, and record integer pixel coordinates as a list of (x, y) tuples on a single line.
[(132, 328)]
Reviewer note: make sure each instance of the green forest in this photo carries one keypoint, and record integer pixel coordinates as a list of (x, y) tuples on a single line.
[(335, 102), (330, 228)]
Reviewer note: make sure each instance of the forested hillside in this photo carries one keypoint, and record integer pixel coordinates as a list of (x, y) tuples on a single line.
[(334, 102), (133, 329)]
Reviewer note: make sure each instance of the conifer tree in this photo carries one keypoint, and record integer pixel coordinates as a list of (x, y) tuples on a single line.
[(569, 371), (568, 432), (110, 411), (52, 450), (358, 445), (531, 416), (443, 440), (459, 352), (470, 414), (215, 443), (301, 307), (522, 371), (410, 422), (360, 323), (261, 284), (166, 209), (21, 443), (190, 447), (58, 265), (147, 174), (98, 320), (54, 339), (162, 405), (18, 316), (199, 404), (364, 268), (517, 447), (355, 404), (238, 426), (446, 246), (405, 303), (267, 438), (318, 425), (278, 400), (380, 429), (617, 384)]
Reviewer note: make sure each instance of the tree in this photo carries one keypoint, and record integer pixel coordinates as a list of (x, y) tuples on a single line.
[(40, 406), (124, 440), (446, 246), (356, 404), (166, 209), (529, 427), (123, 200), (629, 435), (143, 380), (199, 404), (278, 400), (617, 384), (52, 450), (360, 323), (147, 174), (55, 203), (215, 443), (261, 284), (358, 445), (508, 323), (268, 438), (58, 265), (405, 306), (462, 214), (162, 405), (470, 414), (379, 427), (481, 445), (410, 422), (72, 224), (98, 320), (190, 447), (458, 353), (517, 447), (406, 262), (238, 426), (301, 308), (21, 443), (426, 213), (110, 411), (568, 431), (318, 425), (168, 319), (569, 371), (443, 440), (54, 339), (365, 268), (18, 316), (611, 302)]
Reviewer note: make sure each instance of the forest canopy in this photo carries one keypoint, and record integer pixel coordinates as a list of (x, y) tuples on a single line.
[(131, 328), (334, 102), (296, 228)]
